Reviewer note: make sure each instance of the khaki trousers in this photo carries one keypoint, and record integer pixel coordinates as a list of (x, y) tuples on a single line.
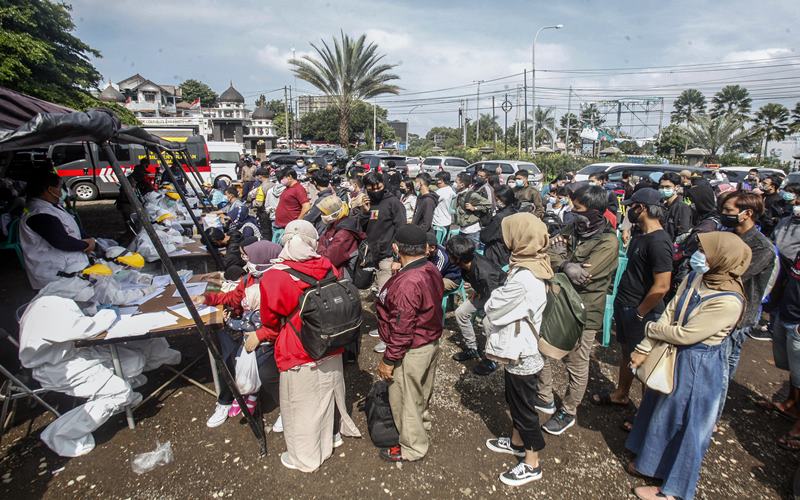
[(577, 364), (409, 396)]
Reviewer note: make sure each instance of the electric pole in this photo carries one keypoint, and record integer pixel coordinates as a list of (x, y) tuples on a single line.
[(569, 111), (374, 126), (494, 128), (286, 113), (525, 116), (478, 115)]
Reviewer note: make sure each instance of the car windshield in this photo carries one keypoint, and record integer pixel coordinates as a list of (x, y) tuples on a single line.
[(593, 169), (223, 156), (432, 161)]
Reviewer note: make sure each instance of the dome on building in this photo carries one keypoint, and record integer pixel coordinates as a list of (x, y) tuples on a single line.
[(110, 94), (231, 95), (262, 113)]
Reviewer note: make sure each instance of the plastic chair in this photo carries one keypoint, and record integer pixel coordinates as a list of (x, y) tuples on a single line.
[(453, 232), (12, 241), (608, 314), (446, 298), (277, 234), (441, 234)]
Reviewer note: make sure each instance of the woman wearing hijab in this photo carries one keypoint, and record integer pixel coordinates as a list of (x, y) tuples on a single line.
[(672, 431), (311, 391), (342, 234), (240, 303), (513, 316)]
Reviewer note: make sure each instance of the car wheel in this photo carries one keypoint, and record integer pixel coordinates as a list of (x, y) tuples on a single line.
[(85, 191)]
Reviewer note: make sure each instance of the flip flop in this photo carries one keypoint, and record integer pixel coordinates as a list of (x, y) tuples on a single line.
[(772, 406), (789, 442), (604, 399)]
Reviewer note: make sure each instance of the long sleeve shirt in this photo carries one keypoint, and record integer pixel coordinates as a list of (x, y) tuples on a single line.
[(52, 230)]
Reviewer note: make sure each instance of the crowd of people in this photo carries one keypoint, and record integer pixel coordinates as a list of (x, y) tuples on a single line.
[(693, 271)]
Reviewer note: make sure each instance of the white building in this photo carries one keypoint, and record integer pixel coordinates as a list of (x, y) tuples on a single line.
[(310, 103)]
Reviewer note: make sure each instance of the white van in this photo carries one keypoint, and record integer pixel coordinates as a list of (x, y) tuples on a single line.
[(223, 157)]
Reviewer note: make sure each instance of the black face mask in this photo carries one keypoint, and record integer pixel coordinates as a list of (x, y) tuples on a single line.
[(376, 196), (730, 221), (633, 215), (588, 223), (479, 182)]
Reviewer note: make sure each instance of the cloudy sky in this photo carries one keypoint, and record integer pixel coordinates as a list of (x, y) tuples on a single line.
[(607, 49)]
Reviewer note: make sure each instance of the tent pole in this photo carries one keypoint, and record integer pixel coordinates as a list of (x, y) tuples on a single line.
[(211, 248), (192, 168), (175, 161), (256, 427)]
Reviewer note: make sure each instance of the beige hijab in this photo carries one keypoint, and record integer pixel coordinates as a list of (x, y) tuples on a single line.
[(728, 257), (526, 236), (299, 241)]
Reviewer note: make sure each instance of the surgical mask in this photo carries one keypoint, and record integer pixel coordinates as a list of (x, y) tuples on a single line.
[(512, 183), (698, 262), (796, 211), (787, 196), (285, 181), (375, 196), (667, 193), (327, 219), (251, 268), (730, 221), (594, 183), (551, 200), (519, 183)]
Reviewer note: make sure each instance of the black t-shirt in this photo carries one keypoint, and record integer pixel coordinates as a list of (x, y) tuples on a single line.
[(648, 254), (789, 311)]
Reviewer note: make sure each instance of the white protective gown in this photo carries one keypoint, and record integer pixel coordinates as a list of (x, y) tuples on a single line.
[(47, 330)]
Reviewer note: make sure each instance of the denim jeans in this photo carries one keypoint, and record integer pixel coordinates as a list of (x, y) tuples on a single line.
[(786, 348), (475, 238), (733, 350)]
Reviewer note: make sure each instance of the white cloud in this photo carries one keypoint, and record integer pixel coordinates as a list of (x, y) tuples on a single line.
[(277, 58), (389, 41), (750, 55)]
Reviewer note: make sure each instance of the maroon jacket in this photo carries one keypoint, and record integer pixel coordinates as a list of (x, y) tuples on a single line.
[(340, 241), (409, 309)]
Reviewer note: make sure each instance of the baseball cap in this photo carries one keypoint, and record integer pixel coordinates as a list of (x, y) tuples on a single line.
[(645, 196)]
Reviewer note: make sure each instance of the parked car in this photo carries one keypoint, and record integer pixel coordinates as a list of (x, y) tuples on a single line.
[(509, 168), (738, 174), (414, 165), (793, 178), (435, 164), (596, 168), (644, 171), (224, 156)]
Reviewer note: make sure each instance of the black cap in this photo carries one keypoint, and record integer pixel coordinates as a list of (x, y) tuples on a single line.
[(411, 234), (645, 196), (264, 172), (431, 239)]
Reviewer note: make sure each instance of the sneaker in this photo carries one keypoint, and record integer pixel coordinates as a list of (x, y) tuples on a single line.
[(286, 461), (758, 333), (546, 408), (337, 440), (521, 474), (559, 422), (278, 425), (380, 346), (503, 445), (466, 355), (219, 416), (250, 402), (392, 454), (373, 333), (485, 367), (137, 381)]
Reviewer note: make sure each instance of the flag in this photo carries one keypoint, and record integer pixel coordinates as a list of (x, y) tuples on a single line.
[(195, 104)]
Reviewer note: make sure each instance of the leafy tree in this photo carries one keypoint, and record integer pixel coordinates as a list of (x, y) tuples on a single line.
[(261, 101), (689, 103), (545, 123), (278, 107), (672, 140), (723, 132), (772, 121), (195, 89), (590, 116), (488, 129), (349, 72), (574, 128), (731, 100), (796, 118), (444, 134), (323, 125)]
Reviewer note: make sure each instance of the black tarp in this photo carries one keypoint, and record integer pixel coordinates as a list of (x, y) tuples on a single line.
[(17, 108)]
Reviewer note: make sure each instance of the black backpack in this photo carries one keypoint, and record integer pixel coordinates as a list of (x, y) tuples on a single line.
[(380, 422), (330, 310)]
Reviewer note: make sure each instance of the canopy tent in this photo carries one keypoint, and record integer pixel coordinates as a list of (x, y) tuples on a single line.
[(17, 108), (102, 127)]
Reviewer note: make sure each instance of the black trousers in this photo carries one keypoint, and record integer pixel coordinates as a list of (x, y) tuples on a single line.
[(267, 369), (520, 395)]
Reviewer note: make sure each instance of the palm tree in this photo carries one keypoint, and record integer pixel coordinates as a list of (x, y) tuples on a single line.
[(796, 118), (688, 103), (349, 72), (590, 116), (545, 122), (713, 134), (731, 100), (772, 120)]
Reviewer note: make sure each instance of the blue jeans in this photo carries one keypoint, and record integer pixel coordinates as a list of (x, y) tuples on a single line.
[(786, 348), (733, 350)]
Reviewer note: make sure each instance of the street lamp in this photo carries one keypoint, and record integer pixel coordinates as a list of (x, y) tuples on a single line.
[(408, 120), (533, 75)]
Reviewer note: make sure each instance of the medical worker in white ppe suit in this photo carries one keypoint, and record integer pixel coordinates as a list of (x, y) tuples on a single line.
[(48, 329)]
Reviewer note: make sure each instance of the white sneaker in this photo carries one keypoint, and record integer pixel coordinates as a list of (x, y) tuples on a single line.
[(521, 474), (137, 381), (219, 416), (337, 440), (503, 445), (380, 346), (373, 333), (286, 462), (278, 425)]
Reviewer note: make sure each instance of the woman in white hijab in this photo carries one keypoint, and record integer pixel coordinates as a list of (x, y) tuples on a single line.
[(312, 391)]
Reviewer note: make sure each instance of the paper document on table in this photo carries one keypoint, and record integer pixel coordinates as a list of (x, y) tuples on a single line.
[(163, 280), (193, 289), (179, 252), (183, 311), (142, 300), (139, 324)]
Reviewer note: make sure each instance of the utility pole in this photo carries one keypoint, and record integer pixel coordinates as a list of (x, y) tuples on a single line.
[(466, 119), (525, 116), (291, 103), (519, 128), (494, 128), (553, 135), (478, 115), (374, 126), (286, 113), (569, 111)]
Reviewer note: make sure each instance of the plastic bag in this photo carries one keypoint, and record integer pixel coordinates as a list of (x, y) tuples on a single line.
[(145, 462), (247, 379)]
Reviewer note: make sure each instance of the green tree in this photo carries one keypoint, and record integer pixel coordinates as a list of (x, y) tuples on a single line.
[(195, 89), (574, 129), (350, 72), (672, 140), (772, 121), (689, 103), (713, 134), (545, 123), (731, 100), (590, 116), (261, 101), (323, 125), (488, 129), (796, 118)]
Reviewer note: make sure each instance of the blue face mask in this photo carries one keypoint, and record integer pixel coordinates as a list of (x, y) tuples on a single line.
[(667, 193), (698, 262), (551, 200), (519, 183), (787, 196)]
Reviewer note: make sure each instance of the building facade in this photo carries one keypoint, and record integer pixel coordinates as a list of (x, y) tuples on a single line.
[(310, 103)]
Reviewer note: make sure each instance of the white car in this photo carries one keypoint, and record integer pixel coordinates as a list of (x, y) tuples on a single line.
[(507, 168), (435, 164), (597, 168)]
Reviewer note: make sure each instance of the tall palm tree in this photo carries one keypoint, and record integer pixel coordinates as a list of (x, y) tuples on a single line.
[(349, 72), (772, 120), (590, 116), (731, 100), (545, 123), (689, 103), (713, 134), (796, 118)]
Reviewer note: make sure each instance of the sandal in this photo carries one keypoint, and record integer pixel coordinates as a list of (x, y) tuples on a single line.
[(789, 442), (604, 399), (772, 406), (649, 493)]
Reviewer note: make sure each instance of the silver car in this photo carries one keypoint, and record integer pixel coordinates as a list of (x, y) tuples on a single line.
[(507, 168)]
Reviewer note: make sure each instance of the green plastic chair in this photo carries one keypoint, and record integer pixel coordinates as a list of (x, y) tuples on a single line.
[(441, 234), (447, 295), (277, 234), (12, 241), (608, 315), (453, 232)]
